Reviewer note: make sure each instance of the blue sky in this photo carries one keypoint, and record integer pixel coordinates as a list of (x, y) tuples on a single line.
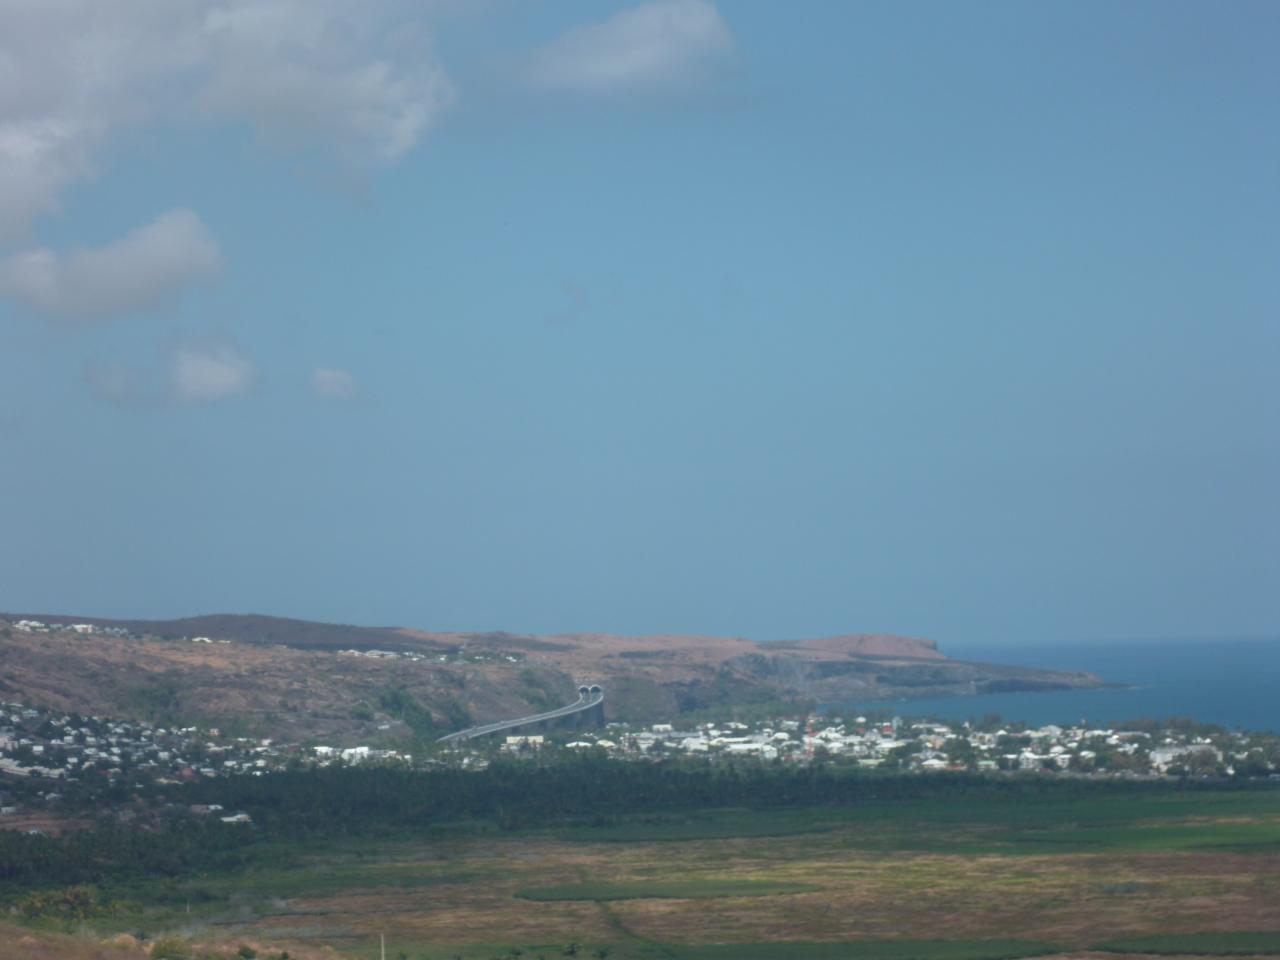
[(955, 321)]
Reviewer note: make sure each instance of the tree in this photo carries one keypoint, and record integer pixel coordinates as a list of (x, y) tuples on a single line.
[(960, 751), (1253, 764), (1202, 763)]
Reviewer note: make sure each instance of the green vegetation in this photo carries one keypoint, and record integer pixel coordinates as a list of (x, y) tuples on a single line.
[(958, 813), (156, 696), (1227, 943), (72, 903), (402, 705), (1249, 837), (1041, 822), (706, 824), (30, 862), (456, 715), (171, 948), (664, 890), (539, 691), (586, 790)]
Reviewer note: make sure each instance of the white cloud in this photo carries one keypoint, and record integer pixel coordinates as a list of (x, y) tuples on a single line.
[(36, 160), (364, 82), (71, 71), (145, 267), (654, 44), (211, 371), (362, 79), (334, 384)]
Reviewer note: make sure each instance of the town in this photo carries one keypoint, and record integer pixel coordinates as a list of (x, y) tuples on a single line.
[(1177, 748), (50, 745), (53, 745)]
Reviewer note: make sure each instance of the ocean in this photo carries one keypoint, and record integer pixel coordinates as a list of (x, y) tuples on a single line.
[(1230, 682)]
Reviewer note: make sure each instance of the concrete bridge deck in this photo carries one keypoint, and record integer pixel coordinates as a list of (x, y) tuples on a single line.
[(589, 698)]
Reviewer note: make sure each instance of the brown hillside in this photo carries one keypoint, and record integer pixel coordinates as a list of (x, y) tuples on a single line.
[(287, 679)]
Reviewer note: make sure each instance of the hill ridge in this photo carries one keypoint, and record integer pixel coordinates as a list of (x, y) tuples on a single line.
[(286, 673)]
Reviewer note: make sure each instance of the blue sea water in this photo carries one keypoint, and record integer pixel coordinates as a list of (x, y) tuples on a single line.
[(1234, 683)]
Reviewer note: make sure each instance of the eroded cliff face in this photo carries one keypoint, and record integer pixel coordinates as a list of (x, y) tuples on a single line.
[(871, 678), (663, 676)]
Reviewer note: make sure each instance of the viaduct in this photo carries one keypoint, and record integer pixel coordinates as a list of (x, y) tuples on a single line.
[(586, 711)]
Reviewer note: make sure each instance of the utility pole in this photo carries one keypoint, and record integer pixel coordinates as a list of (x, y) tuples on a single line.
[(382, 938)]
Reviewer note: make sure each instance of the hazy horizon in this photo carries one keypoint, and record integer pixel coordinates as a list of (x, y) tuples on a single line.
[(947, 646), (661, 317)]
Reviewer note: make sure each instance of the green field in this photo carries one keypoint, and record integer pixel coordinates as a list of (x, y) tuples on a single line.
[(1246, 822), (664, 890), (1240, 943)]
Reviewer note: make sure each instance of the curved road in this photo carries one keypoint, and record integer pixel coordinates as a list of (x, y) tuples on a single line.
[(588, 697)]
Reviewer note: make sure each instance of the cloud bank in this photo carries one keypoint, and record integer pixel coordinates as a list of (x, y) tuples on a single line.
[(363, 82), (361, 78), (144, 268)]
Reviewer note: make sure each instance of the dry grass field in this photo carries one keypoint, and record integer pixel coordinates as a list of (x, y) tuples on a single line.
[(19, 944), (1074, 900)]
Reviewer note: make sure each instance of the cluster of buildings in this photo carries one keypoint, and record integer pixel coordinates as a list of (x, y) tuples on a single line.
[(91, 630), (460, 656), (897, 744), (36, 626), (326, 756), (57, 746), (390, 655)]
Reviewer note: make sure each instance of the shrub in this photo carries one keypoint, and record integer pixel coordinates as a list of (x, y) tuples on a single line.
[(171, 948), (71, 903)]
